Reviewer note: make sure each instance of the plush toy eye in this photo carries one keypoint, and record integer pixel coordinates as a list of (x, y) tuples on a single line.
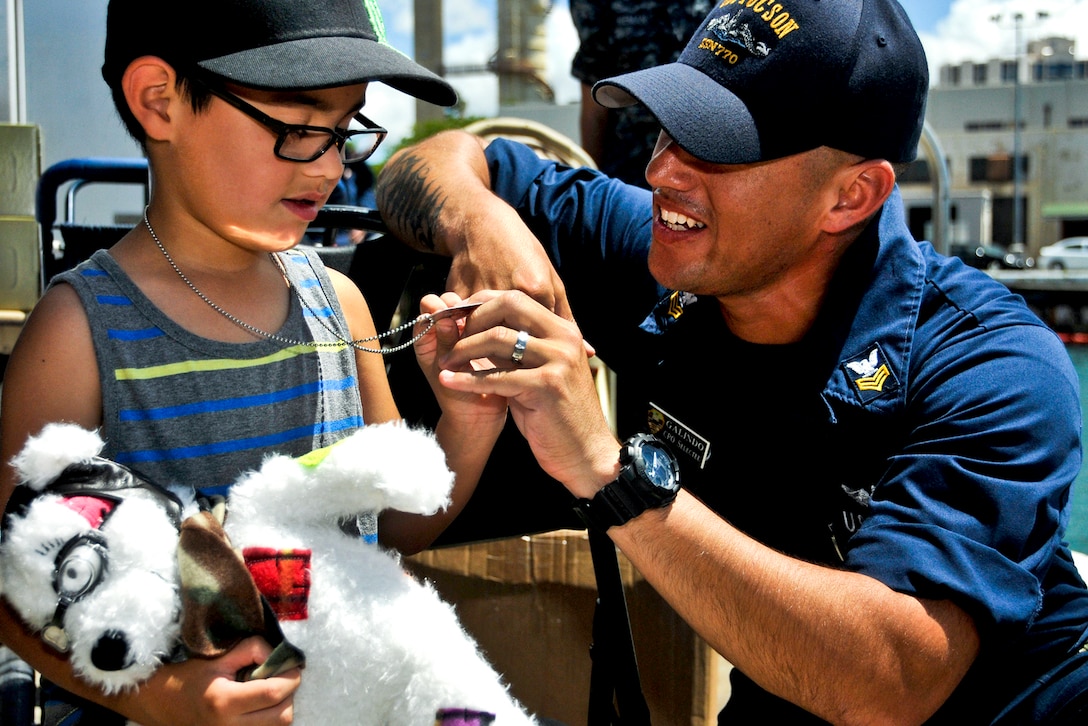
[(79, 567)]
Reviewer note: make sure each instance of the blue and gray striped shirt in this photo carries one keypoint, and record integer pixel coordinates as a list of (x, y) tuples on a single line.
[(180, 408)]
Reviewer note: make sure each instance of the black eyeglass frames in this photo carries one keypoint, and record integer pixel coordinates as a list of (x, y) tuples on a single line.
[(296, 142)]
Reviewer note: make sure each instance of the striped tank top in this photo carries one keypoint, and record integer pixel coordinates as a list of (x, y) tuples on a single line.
[(179, 408)]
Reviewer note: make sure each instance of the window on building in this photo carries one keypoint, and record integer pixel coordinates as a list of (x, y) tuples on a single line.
[(1003, 219), (954, 75), (919, 220), (978, 74), (989, 125), (1052, 71), (996, 168), (1008, 71)]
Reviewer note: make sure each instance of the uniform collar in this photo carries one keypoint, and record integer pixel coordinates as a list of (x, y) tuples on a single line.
[(862, 339)]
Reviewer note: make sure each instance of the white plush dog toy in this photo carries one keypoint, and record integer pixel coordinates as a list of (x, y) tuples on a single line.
[(380, 647), (88, 558)]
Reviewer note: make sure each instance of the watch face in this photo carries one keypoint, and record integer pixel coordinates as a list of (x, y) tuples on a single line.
[(658, 465)]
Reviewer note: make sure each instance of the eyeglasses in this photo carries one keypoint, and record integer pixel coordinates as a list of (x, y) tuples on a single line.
[(295, 142)]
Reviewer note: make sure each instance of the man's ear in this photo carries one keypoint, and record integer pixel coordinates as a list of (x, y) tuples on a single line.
[(149, 87), (864, 188)]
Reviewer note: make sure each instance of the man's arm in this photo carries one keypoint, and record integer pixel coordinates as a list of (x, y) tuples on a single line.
[(839, 644), (436, 196)]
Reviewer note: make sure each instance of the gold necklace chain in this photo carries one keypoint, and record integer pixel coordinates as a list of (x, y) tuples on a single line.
[(340, 340)]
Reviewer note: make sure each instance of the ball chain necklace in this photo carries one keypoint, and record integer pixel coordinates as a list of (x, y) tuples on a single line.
[(427, 318)]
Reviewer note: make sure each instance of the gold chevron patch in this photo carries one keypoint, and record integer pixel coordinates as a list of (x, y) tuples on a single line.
[(676, 308), (875, 382)]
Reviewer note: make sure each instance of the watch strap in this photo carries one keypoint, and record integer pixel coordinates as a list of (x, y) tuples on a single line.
[(611, 506), (631, 493)]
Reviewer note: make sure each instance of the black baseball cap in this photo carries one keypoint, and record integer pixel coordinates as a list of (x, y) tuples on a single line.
[(268, 44), (764, 79)]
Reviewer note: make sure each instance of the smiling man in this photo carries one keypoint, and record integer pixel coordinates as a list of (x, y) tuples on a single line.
[(868, 447)]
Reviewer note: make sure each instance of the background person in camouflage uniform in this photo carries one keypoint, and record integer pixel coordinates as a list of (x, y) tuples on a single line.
[(618, 36)]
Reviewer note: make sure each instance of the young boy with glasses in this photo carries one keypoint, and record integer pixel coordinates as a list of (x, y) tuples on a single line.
[(204, 339)]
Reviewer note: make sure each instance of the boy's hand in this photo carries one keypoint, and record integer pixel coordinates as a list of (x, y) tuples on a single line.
[(467, 408), (204, 692)]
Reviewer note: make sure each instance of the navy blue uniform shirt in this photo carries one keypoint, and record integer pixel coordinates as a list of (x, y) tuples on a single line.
[(925, 432)]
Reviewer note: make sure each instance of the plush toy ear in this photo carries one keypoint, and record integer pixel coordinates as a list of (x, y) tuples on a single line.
[(220, 603), (57, 445)]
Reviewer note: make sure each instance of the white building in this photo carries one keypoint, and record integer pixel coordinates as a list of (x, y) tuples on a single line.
[(972, 111)]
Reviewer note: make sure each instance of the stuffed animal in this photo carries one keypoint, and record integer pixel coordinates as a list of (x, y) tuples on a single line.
[(87, 558), (379, 646)]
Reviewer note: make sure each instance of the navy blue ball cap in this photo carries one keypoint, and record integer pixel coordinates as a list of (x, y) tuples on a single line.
[(268, 44), (763, 79)]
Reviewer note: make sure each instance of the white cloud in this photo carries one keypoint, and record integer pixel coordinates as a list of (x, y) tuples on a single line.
[(470, 48), (469, 16), (392, 109), (480, 92), (562, 44), (399, 18), (969, 32)]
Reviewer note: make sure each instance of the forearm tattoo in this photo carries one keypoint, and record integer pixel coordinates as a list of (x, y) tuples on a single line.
[(409, 203)]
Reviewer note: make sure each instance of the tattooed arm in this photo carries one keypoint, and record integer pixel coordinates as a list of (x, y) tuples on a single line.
[(436, 197)]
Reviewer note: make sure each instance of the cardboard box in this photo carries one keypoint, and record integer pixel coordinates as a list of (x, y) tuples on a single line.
[(529, 602), (20, 263), (20, 169), (20, 276)]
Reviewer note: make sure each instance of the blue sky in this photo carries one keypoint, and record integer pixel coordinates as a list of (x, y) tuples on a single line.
[(924, 14), (951, 31)]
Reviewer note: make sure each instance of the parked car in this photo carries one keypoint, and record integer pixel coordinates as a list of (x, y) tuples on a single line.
[(1070, 253), (992, 257)]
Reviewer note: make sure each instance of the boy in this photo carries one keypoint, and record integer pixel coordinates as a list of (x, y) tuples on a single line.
[(215, 341)]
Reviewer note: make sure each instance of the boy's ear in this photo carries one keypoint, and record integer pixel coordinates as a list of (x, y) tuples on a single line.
[(149, 87), (866, 186)]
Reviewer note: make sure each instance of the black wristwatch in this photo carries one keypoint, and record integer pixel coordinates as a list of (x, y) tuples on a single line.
[(649, 479)]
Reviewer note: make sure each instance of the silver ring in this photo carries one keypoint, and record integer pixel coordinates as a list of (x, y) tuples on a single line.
[(519, 347)]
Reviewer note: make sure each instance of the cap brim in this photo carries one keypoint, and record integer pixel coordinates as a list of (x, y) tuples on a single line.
[(705, 119), (327, 62)]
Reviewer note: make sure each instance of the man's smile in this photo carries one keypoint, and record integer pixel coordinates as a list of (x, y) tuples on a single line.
[(678, 222)]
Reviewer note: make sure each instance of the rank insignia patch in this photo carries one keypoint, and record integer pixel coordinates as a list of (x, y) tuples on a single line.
[(870, 374), (667, 311), (677, 301)]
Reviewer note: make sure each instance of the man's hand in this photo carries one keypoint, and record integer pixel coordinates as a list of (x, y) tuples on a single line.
[(513, 260), (436, 197), (550, 391)]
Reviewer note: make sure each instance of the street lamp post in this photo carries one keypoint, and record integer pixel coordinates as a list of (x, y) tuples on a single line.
[(1017, 116), (16, 62)]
